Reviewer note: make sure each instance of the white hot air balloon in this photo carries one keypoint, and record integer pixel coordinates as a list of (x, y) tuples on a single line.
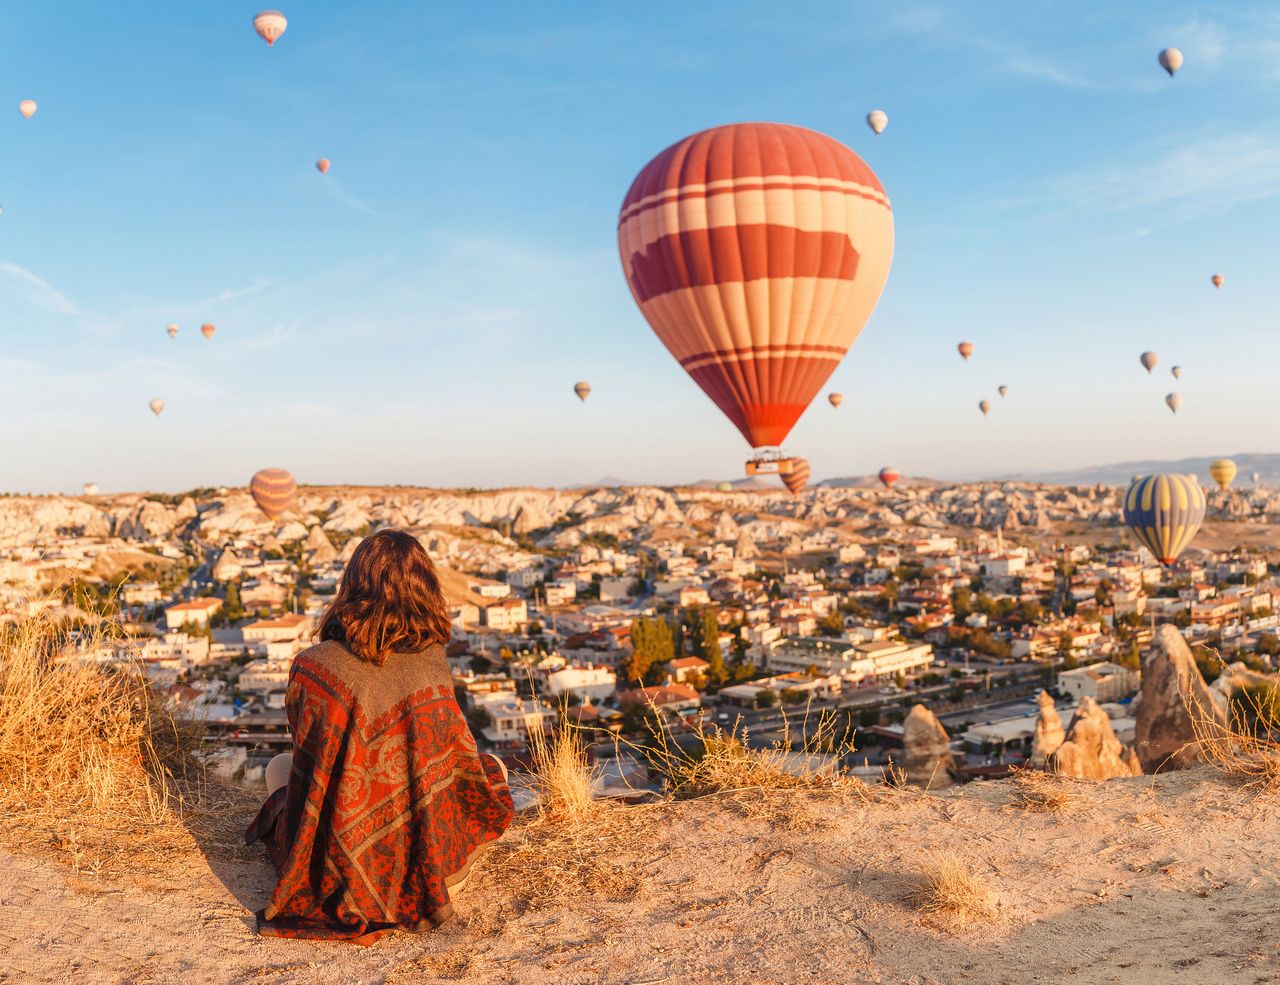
[(985, 407), (1002, 390), (1174, 400), (156, 405), (1177, 372), (91, 489), (1170, 60), (877, 120), (270, 24), (172, 329), (27, 108)]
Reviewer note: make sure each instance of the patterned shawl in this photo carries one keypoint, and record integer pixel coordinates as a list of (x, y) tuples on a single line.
[(388, 804)]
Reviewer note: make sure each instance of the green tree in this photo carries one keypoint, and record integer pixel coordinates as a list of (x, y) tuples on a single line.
[(712, 653), (652, 644), (766, 699)]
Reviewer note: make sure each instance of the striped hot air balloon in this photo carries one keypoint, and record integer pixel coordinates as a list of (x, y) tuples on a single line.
[(756, 252), (273, 490), (1164, 511), (1222, 470), (270, 24), (207, 329), (889, 476), (835, 399), (798, 477), (583, 389)]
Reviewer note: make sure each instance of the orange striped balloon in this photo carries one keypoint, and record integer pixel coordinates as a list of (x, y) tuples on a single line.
[(756, 252), (798, 477), (273, 490)]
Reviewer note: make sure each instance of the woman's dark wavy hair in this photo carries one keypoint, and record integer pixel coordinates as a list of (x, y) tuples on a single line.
[(389, 600)]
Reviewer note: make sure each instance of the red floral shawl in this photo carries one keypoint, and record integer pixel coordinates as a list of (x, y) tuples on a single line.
[(388, 803)]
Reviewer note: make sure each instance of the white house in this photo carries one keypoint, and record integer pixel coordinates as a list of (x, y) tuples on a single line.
[(197, 612)]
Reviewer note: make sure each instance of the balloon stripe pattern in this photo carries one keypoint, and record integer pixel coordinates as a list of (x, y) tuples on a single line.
[(798, 477), (757, 251), (273, 490), (1164, 511)]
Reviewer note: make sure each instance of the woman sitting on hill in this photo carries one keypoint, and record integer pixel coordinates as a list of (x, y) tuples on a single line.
[(385, 801)]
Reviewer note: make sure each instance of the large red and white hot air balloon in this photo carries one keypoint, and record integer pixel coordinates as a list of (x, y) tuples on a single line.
[(889, 476), (270, 24), (757, 251), (798, 477), (273, 490)]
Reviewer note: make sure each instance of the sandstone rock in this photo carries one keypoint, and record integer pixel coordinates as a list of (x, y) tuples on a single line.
[(348, 549), (926, 750), (186, 510), (290, 532), (147, 519), (1092, 751), (319, 549), (726, 526), (1173, 696), (228, 567), (1050, 733), (746, 547)]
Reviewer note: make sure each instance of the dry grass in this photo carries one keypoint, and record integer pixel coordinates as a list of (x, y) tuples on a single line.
[(1039, 791), (1243, 748), (949, 889), (88, 751), (562, 774)]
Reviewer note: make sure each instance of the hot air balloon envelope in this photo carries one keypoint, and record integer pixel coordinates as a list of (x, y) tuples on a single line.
[(985, 407), (756, 252), (1174, 400), (1148, 360), (1223, 470), (1003, 391), (835, 399), (91, 489), (156, 405), (322, 165), (1164, 511), (877, 120), (28, 108), (889, 476), (725, 486), (207, 330), (1170, 60), (172, 330), (1177, 372), (1218, 280), (273, 490), (798, 476), (965, 349), (582, 389), (270, 24)]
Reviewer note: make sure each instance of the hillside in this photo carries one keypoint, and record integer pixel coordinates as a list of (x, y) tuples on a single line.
[(1155, 879), (1120, 473)]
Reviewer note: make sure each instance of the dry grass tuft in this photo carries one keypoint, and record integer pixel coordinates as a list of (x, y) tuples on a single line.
[(88, 751), (1040, 791), (1244, 748), (562, 774), (948, 888)]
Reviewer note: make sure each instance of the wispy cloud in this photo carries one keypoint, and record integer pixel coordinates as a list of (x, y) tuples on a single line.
[(1179, 179), (43, 293)]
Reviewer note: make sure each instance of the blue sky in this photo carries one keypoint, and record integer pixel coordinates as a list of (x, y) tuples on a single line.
[(420, 314)]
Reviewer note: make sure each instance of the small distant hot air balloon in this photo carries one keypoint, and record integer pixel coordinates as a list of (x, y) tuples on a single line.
[(889, 476), (1177, 372), (725, 486), (1148, 360), (270, 24), (91, 489), (1218, 280), (1257, 478), (798, 477), (172, 330), (322, 165), (1164, 511), (985, 407), (877, 120), (1174, 400), (156, 405), (835, 399), (1222, 470), (273, 490), (207, 329), (1170, 60), (583, 389), (1002, 390), (27, 108), (965, 349)]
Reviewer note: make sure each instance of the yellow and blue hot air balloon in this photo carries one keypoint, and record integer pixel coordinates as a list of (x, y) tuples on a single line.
[(1164, 510), (1223, 470)]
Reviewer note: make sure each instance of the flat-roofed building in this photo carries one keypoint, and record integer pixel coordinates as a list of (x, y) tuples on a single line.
[(279, 629), (196, 612), (1101, 681)]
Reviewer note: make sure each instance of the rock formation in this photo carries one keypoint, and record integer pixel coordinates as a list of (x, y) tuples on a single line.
[(926, 750), (320, 549), (1091, 750), (1174, 695), (1049, 732)]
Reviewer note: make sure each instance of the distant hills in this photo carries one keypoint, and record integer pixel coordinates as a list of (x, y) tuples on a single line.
[(1121, 473)]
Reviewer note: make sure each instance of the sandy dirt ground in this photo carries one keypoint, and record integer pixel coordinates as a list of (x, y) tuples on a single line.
[(1151, 880)]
